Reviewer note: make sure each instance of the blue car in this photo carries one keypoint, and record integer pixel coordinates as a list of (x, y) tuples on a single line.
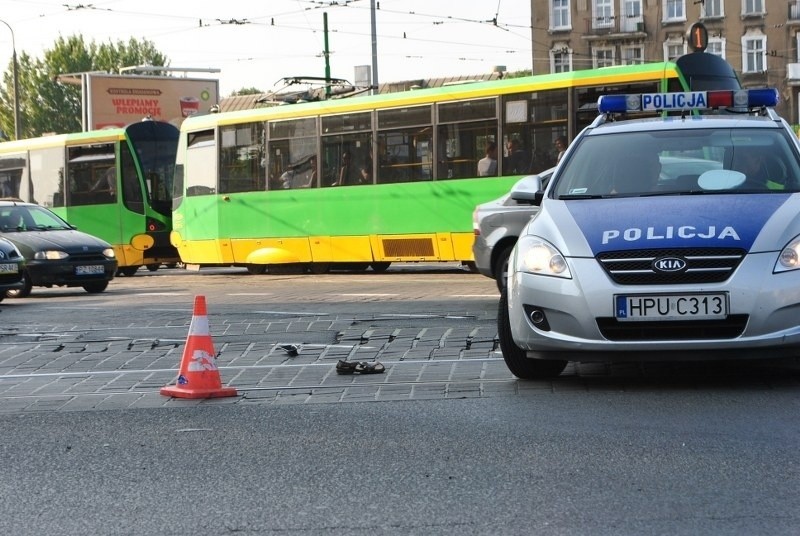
[(55, 253)]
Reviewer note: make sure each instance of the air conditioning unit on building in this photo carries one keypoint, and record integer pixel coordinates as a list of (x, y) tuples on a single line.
[(793, 72)]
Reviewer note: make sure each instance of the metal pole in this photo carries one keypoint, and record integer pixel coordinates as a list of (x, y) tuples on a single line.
[(374, 50), (327, 54), (15, 68)]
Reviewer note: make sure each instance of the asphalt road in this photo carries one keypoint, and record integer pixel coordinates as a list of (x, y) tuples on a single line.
[(446, 441)]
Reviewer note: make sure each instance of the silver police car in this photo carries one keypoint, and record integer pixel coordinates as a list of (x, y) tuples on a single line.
[(624, 262)]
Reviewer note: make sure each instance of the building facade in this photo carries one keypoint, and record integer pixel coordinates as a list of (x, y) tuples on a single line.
[(759, 38)]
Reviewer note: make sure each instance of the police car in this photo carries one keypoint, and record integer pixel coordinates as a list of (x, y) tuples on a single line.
[(624, 262)]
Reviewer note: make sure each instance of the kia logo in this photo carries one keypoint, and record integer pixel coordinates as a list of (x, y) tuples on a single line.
[(669, 264)]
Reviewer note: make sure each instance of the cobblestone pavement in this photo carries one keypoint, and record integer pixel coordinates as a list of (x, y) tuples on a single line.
[(64, 350)]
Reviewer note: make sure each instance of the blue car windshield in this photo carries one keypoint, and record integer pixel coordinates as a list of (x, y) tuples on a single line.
[(18, 218), (695, 161)]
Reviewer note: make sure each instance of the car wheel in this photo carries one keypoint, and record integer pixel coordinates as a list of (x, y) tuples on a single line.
[(380, 266), (127, 271), (515, 357), (23, 292), (95, 288), (500, 268)]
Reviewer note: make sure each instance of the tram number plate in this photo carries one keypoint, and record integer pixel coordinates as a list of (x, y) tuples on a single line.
[(9, 268), (671, 307), (89, 269)]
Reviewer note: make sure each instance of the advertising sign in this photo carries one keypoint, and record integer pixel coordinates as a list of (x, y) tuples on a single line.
[(118, 100)]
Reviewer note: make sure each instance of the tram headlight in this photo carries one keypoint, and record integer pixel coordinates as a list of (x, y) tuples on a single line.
[(537, 256)]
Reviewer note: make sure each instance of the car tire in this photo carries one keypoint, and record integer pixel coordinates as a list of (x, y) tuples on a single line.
[(516, 358), (23, 292), (500, 268), (95, 288)]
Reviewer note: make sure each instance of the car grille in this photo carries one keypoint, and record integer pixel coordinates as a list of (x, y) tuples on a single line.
[(703, 265), (83, 258), (728, 328)]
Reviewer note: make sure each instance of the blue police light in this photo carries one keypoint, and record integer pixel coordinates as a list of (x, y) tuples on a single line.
[(693, 100)]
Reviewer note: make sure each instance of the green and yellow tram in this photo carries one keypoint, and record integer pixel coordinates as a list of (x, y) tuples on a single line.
[(115, 184), (367, 181)]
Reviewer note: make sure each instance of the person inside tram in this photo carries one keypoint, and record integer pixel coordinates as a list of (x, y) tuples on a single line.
[(487, 166)]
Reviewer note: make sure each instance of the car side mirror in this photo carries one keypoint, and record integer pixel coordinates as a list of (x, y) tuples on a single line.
[(525, 190)]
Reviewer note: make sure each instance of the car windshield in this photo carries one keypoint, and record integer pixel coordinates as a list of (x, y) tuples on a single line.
[(18, 218), (680, 162)]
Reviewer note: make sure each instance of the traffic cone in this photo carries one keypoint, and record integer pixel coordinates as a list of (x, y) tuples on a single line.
[(198, 376)]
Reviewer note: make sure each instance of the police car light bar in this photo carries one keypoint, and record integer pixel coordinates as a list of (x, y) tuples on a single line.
[(694, 100)]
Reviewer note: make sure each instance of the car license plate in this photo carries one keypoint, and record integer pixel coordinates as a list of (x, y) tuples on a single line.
[(89, 269), (9, 268), (671, 307)]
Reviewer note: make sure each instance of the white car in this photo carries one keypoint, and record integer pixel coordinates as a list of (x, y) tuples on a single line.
[(497, 224), (626, 263)]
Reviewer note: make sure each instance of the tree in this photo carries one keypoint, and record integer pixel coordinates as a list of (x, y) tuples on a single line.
[(49, 106), (246, 91)]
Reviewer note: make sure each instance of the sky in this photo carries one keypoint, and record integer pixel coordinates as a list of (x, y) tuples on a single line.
[(256, 44)]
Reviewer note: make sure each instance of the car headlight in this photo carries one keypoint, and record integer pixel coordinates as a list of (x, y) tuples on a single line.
[(109, 253), (789, 258), (50, 255), (537, 256)]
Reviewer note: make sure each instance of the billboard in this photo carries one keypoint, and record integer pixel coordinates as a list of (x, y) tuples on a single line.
[(118, 100)]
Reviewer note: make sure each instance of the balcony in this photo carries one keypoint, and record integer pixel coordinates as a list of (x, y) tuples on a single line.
[(623, 26)]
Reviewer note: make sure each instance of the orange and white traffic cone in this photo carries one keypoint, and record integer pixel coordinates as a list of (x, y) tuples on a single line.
[(198, 376)]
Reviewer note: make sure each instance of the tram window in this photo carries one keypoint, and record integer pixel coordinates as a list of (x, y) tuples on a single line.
[(91, 175), (292, 154), (343, 123), (461, 146), (12, 168), (405, 155), (293, 163), (293, 128), (347, 159), (201, 158), (47, 176), (402, 117), (531, 123), (452, 112), (132, 196), (241, 159), (405, 145)]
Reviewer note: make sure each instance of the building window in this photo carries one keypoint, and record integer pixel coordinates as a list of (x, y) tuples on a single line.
[(603, 14), (716, 46), (602, 57), (560, 59), (754, 55), (674, 10), (632, 55), (632, 20), (752, 7), (712, 8), (559, 15), (674, 50)]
